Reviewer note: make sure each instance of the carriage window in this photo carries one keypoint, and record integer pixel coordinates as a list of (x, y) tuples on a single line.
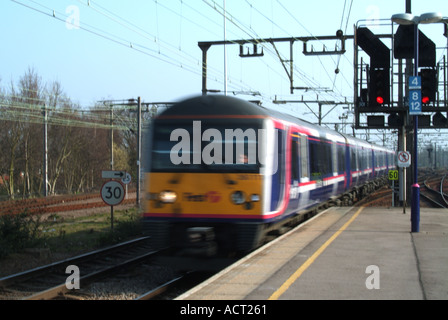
[(353, 161), (341, 158), (294, 158), (303, 157), (320, 158), (361, 159), (334, 156)]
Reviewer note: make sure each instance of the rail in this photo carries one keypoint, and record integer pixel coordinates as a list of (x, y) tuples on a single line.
[(441, 190), (48, 282), (160, 289), (437, 193), (57, 204)]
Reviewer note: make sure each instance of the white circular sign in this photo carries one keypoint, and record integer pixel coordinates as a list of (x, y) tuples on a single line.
[(112, 193), (127, 178), (404, 159)]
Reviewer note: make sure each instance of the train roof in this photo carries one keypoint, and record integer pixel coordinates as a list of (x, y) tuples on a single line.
[(220, 105), (213, 105)]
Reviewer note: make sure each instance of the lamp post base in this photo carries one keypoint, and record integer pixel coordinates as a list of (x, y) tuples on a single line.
[(415, 208)]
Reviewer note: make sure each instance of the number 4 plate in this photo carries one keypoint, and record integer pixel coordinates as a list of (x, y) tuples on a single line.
[(415, 83)]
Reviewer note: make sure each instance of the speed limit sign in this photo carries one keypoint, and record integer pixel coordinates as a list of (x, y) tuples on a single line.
[(112, 193), (393, 174)]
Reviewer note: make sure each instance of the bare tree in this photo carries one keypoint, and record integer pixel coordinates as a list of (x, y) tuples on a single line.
[(78, 140)]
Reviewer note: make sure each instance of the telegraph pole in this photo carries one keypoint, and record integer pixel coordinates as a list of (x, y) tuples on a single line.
[(111, 137), (139, 147), (45, 166), (138, 104), (225, 49)]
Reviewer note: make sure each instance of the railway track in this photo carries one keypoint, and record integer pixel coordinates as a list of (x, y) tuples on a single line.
[(436, 197), (443, 182), (175, 287), (56, 204), (50, 281)]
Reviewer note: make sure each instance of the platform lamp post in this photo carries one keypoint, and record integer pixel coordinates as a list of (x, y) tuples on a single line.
[(410, 19)]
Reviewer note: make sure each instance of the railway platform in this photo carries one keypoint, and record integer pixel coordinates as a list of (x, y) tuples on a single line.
[(343, 253)]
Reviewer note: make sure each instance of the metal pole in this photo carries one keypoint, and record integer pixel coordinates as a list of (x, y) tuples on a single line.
[(415, 208), (393, 193), (111, 137), (112, 218), (45, 167), (225, 49), (204, 48), (139, 148)]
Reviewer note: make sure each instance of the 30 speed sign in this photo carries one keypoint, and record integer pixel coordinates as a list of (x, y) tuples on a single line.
[(112, 193)]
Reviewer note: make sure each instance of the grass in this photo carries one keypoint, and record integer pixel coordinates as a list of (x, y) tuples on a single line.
[(68, 235)]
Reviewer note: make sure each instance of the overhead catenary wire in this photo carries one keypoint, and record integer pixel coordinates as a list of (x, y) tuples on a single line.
[(187, 57), (173, 55), (310, 82), (111, 37)]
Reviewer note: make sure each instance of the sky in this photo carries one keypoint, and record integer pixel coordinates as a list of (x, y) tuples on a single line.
[(111, 49)]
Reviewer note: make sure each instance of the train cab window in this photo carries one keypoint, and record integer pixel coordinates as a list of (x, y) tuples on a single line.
[(206, 146)]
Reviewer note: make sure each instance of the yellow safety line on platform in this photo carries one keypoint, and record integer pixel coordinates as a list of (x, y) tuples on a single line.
[(311, 259)]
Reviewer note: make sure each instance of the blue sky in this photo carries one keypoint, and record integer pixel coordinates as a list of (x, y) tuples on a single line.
[(149, 48)]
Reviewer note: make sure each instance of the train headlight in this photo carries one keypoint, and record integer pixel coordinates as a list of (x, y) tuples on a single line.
[(238, 197), (167, 196)]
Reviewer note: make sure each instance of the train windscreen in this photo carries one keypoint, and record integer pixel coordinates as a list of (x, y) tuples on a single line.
[(206, 146)]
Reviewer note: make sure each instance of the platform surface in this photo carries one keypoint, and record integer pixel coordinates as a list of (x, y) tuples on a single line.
[(343, 253)]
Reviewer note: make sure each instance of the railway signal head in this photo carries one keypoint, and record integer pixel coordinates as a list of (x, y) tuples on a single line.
[(379, 87), (429, 85)]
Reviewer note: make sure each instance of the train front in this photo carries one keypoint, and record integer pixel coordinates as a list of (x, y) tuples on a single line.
[(203, 187)]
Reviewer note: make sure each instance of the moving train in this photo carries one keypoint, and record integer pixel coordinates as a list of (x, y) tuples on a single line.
[(223, 173)]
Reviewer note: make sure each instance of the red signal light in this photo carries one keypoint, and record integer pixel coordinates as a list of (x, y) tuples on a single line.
[(380, 100), (425, 99)]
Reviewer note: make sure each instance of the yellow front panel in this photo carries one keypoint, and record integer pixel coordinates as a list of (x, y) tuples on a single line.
[(207, 194)]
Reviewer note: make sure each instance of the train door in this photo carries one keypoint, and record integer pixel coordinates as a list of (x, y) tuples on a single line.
[(354, 168), (299, 170), (278, 176), (295, 171)]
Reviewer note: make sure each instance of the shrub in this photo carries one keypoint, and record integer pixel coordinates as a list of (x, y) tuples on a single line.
[(17, 231)]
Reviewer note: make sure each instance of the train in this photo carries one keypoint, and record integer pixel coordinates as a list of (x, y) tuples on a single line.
[(222, 174)]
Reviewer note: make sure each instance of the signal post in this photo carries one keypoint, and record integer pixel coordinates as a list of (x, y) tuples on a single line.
[(113, 191)]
